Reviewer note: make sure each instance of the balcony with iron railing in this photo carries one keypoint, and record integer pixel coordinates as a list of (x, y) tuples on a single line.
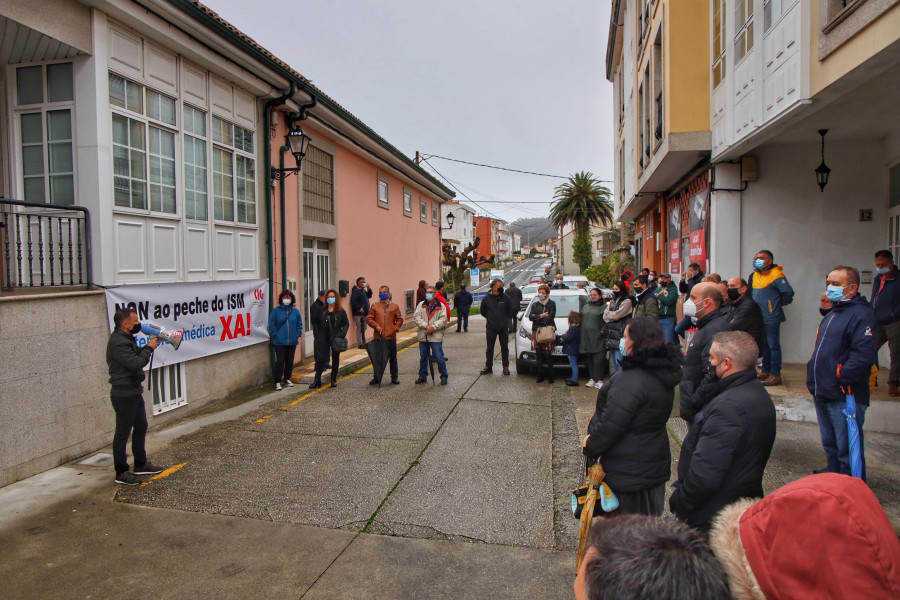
[(44, 246)]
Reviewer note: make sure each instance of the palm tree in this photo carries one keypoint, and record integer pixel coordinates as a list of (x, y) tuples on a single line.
[(581, 201)]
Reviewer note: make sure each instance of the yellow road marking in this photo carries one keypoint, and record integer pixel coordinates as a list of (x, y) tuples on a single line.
[(165, 473)]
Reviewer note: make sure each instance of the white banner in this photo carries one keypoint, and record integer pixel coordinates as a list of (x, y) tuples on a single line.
[(216, 316)]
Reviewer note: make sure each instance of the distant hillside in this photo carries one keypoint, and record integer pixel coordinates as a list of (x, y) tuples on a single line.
[(533, 231)]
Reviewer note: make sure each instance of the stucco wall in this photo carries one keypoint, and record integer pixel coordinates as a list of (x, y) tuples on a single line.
[(54, 395), (810, 232), (383, 245)]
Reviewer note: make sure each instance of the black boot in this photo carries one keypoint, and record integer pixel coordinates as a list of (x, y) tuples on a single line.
[(333, 379), (317, 382)]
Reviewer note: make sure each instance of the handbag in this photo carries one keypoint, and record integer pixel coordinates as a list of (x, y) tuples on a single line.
[(603, 493), (339, 344), (545, 335)]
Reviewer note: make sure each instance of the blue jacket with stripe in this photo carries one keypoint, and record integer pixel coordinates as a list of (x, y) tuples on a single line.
[(846, 337)]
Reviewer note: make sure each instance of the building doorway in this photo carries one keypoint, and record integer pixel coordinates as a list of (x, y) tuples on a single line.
[(316, 276)]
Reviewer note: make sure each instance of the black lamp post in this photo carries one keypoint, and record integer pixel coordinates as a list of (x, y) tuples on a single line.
[(297, 142), (822, 171)]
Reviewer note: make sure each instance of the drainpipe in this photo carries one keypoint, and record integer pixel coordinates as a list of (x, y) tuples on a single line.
[(267, 124)]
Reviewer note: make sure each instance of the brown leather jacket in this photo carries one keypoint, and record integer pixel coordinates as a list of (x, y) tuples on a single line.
[(389, 320)]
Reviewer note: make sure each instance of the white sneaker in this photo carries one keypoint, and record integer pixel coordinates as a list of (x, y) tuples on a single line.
[(598, 385), (278, 386), (590, 383), (289, 383)]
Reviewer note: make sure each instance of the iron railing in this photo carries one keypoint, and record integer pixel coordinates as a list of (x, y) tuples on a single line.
[(44, 245)]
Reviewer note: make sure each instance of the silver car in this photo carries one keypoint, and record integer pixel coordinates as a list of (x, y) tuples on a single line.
[(566, 300)]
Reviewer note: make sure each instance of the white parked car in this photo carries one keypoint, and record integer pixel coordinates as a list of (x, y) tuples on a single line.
[(566, 300), (528, 292)]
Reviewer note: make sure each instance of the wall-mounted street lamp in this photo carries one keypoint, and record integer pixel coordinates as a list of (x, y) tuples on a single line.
[(450, 219), (822, 171), (297, 142)]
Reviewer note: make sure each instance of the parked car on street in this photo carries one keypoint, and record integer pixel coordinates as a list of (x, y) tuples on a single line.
[(566, 301), (528, 292)]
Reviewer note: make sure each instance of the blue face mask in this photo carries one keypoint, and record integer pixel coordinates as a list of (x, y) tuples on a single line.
[(383, 296), (759, 264), (429, 297), (622, 347), (834, 293), (883, 271), (330, 300)]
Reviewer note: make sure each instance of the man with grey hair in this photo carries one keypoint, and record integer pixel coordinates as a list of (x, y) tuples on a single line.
[(726, 449), (632, 557)]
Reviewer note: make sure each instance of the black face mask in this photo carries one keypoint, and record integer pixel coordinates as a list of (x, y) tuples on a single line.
[(711, 373), (733, 294), (637, 290), (136, 329)]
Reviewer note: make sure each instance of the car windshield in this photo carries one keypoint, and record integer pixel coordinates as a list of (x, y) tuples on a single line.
[(530, 289), (564, 304)]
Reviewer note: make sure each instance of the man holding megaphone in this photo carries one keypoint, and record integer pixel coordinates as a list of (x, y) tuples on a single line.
[(126, 363)]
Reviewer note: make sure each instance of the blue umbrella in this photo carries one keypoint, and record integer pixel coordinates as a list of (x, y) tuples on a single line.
[(853, 435)]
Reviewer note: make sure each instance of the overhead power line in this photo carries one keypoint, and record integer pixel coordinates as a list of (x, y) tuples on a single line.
[(425, 157), (463, 194)]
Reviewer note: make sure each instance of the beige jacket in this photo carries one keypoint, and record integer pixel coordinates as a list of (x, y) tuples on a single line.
[(437, 319)]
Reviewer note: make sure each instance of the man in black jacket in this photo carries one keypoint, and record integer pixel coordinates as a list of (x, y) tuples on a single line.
[(703, 307), (515, 297), (359, 308), (744, 313), (126, 362), (496, 310), (462, 302), (689, 279), (726, 450)]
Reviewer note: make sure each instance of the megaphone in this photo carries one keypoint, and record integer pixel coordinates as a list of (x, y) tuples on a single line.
[(173, 337)]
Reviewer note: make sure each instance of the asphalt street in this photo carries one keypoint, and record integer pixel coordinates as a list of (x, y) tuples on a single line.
[(408, 491)]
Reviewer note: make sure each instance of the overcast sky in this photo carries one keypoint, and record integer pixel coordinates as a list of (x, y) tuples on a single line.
[(512, 83)]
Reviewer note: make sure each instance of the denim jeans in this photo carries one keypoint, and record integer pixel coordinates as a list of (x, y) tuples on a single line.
[(425, 350), (771, 360), (616, 356), (668, 326), (573, 362), (835, 439)]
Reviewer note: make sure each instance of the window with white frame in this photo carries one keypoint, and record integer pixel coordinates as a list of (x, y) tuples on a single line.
[(743, 18), (423, 210), (167, 387), (144, 137), (772, 11), (718, 46), (44, 116), (434, 215), (384, 199), (407, 203)]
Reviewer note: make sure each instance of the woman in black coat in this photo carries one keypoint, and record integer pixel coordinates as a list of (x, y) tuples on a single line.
[(628, 430), (543, 313), (329, 325)]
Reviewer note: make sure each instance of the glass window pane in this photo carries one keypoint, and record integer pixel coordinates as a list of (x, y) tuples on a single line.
[(59, 82), (221, 131), (160, 107), (32, 132), (30, 85), (59, 125), (61, 158), (120, 129), (136, 134), (223, 190), (194, 120), (133, 97), (62, 190), (116, 90), (34, 189), (32, 160)]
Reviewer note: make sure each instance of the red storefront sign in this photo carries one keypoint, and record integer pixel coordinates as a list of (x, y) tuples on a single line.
[(675, 256), (698, 247)]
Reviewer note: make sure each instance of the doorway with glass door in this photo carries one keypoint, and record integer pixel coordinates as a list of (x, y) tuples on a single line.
[(316, 276)]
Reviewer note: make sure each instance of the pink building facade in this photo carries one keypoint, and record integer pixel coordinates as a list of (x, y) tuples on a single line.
[(358, 208)]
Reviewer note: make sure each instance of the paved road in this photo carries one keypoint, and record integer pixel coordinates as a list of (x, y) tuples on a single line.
[(409, 491), (520, 272)]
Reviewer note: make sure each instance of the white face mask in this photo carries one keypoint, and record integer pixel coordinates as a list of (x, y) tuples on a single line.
[(286, 301), (542, 297), (690, 309)]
